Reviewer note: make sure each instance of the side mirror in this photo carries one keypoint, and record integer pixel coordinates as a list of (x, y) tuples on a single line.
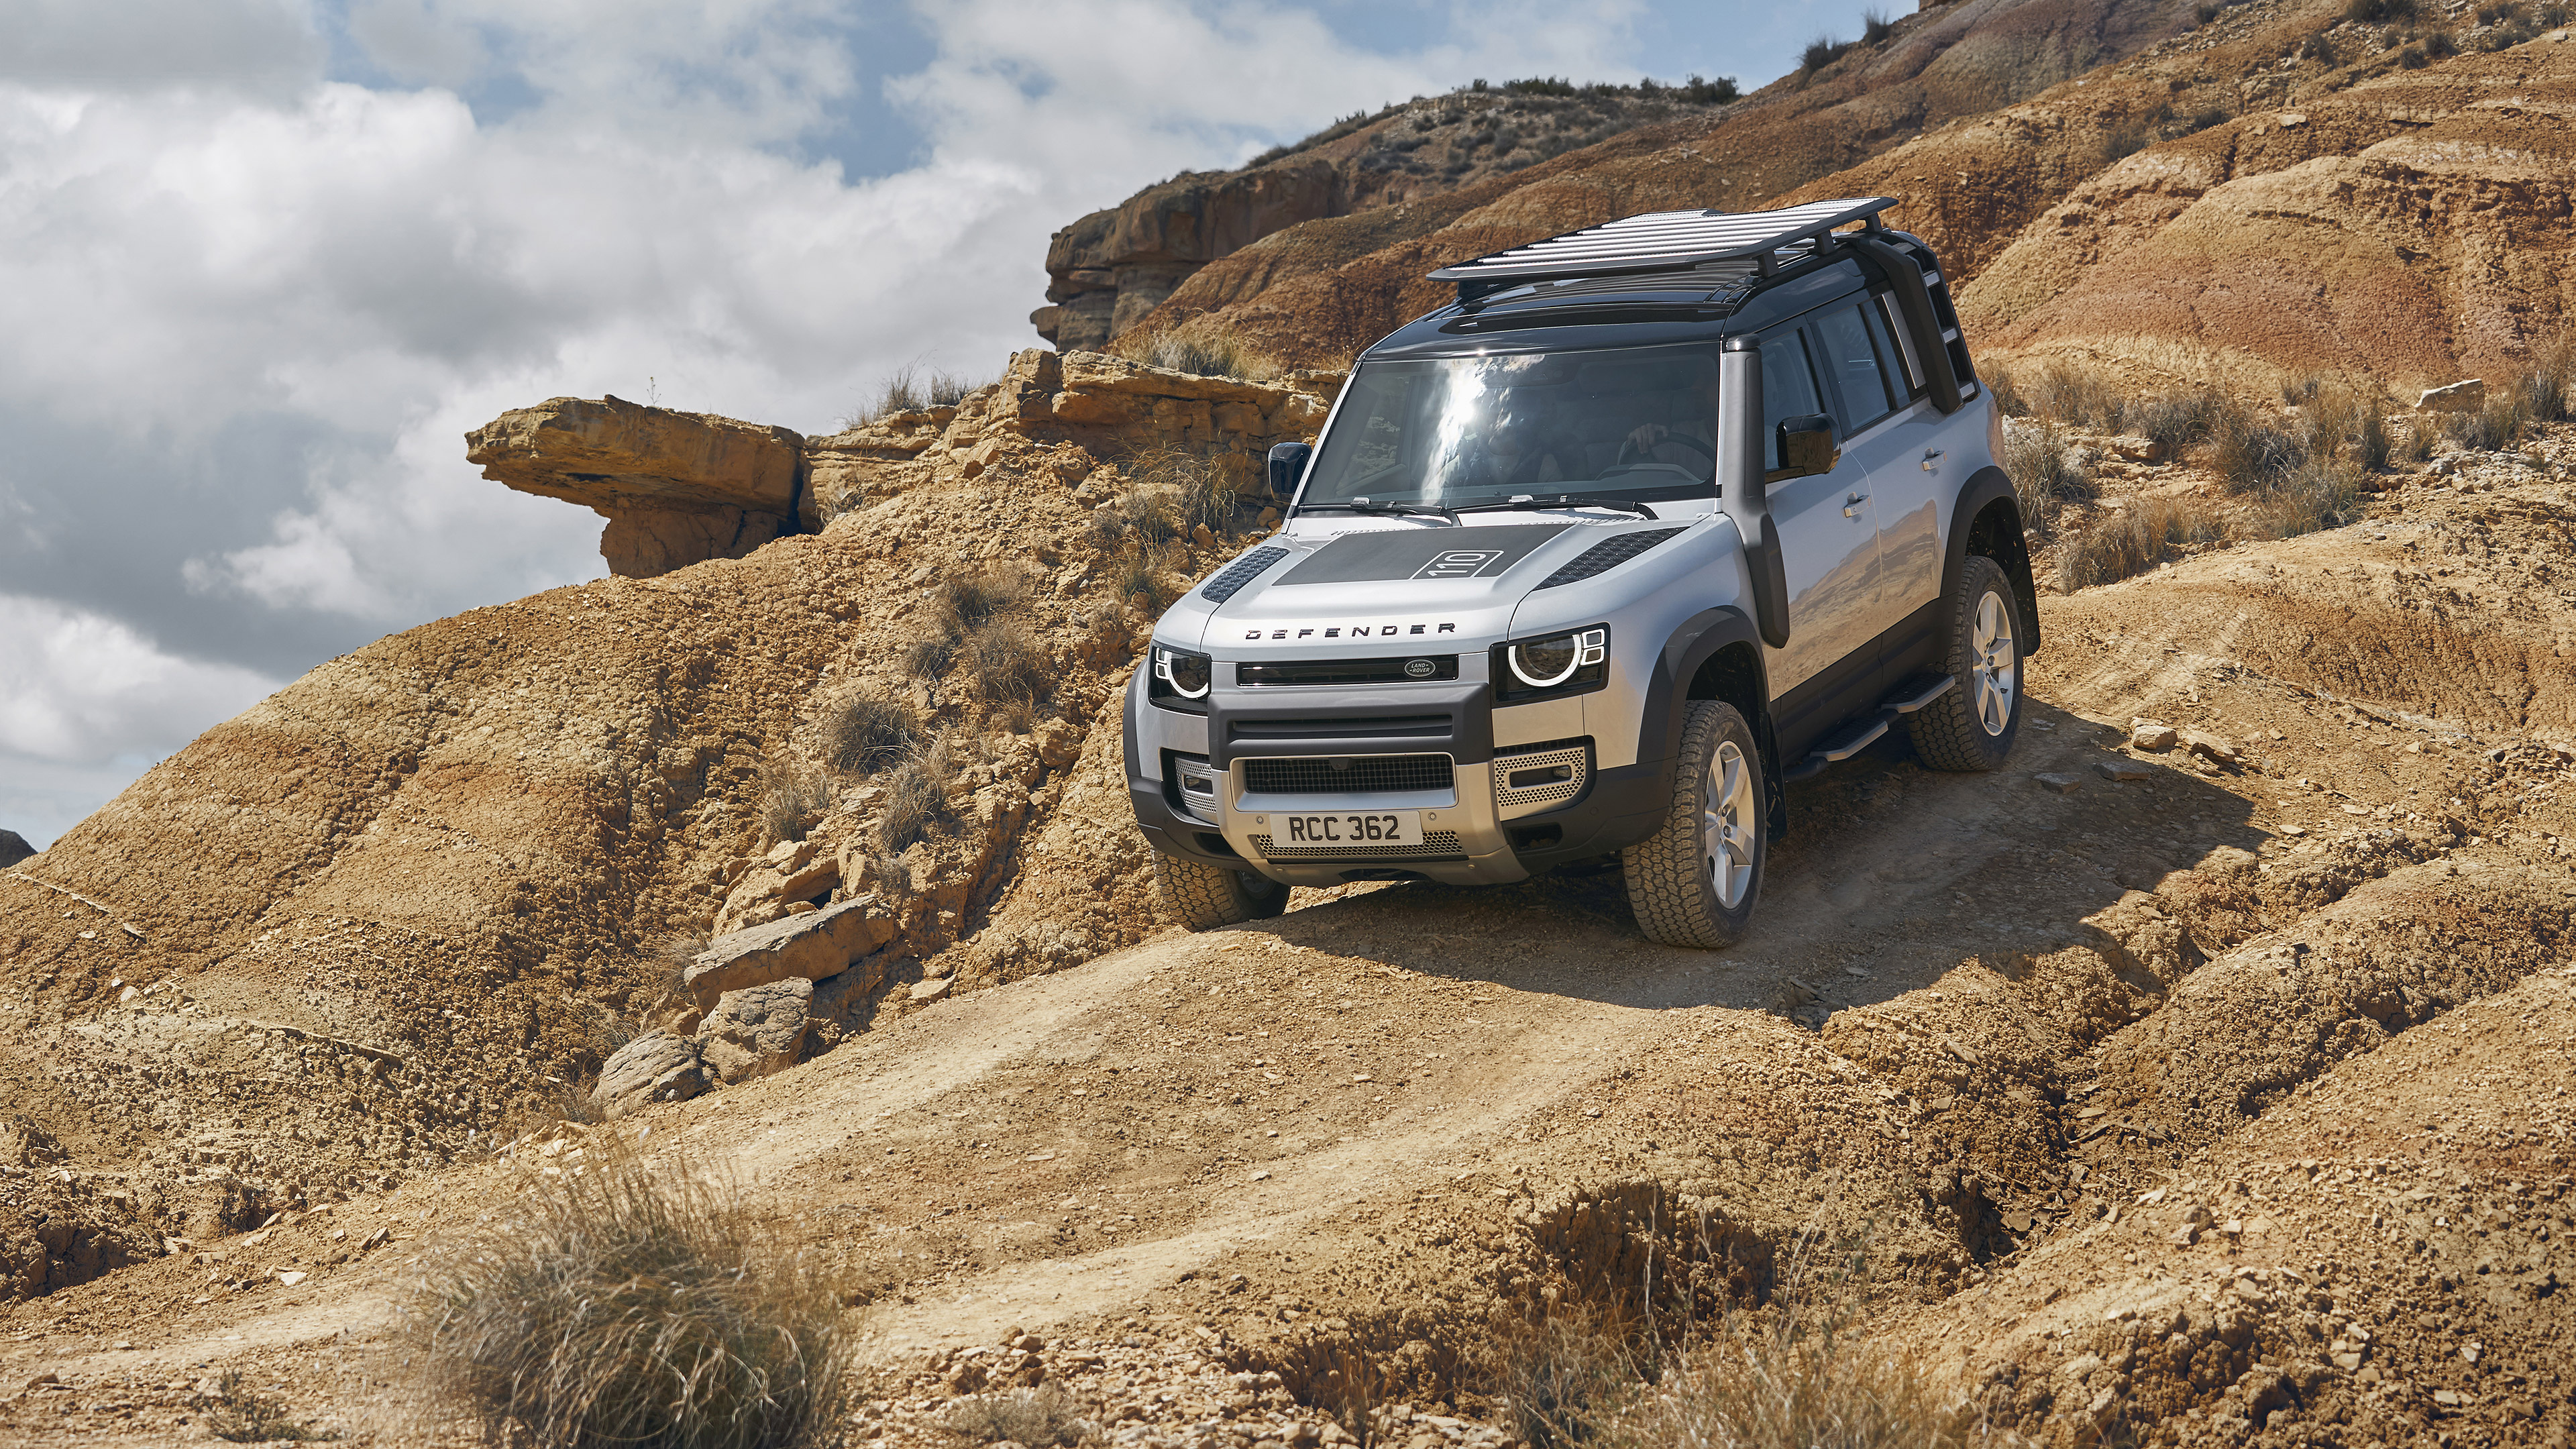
[(1807, 446), (1287, 468)]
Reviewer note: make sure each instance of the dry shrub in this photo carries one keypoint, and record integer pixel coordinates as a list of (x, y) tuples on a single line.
[(2317, 494), (916, 799), (865, 734), (243, 1415), (972, 600), (910, 389), (2548, 386), (1039, 1417), (2251, 451), (1788, 1383), (1003, 662), (671, 961), (1562, 1378), (2134, 540), (1144, 513), (2497, 425), (2071, 392), (1202, 346), (2046, 468), (1998, 378), (928, 658), (620, 1305), (793, 795), (1207, 492)]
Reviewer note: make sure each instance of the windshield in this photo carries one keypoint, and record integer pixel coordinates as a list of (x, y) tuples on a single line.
[(1636, 423)]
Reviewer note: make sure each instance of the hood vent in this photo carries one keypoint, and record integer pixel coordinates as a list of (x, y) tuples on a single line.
[(1606, 555), (1230, 580)]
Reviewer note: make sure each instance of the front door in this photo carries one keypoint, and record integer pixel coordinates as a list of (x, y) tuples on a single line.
[(1828, 546)]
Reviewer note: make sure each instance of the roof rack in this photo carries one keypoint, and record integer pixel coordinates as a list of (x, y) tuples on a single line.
[(1661, 241)]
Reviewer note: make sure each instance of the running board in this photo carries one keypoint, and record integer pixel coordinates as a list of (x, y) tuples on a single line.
[(1861, 733)]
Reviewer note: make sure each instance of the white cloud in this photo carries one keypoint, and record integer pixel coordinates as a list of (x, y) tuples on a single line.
[(80, 688)]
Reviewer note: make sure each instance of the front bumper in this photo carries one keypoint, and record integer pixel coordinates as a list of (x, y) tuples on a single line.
[(1492, 816)]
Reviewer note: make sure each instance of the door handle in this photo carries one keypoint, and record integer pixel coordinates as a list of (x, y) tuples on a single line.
[(1931, 460), (1851, 505)]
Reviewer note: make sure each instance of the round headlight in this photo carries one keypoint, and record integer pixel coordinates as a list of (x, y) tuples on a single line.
[(1542, 663), (1188, 674)]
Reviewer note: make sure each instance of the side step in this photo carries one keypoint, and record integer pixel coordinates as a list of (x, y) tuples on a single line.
[(1858, 735)]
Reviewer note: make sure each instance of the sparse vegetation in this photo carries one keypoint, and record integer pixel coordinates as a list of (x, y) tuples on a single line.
[(916, 799), (1039, 1417), (910, 388), (865, 734), (2046, 468), (243, 1415), (1822, 51), (1203, 347), (621, 1304), (1875, 27), (2173, 420), (793, 795), (1003, 663), (2134, 539)]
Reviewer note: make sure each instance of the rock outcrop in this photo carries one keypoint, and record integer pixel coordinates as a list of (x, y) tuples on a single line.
[(14, 848), (809, 946), (756, 1031), (655, 1067), (676, 488), (1109, 269)]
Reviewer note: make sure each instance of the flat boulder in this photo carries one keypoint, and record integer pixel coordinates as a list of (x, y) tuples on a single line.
[(757, 1030), (655, 1067), (676, 488), (808, 947)]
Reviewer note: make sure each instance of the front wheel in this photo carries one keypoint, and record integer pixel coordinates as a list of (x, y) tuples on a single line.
[(1204, 897), (1971, 727), (1694, 882)]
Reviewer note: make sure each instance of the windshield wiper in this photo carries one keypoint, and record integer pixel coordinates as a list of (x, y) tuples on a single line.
[(1527, 504), (1364, 505)]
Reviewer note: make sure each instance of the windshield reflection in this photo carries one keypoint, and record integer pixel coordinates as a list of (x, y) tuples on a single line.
[(1454, 432)]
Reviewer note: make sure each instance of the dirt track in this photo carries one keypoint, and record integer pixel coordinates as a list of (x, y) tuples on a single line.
[(1979, 1016)]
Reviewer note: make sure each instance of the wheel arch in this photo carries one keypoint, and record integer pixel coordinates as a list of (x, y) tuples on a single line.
[(1986, 521), (1715, 654)]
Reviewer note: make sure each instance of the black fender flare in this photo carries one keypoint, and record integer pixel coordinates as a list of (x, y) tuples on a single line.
[(1983, 487), (1659, 722)]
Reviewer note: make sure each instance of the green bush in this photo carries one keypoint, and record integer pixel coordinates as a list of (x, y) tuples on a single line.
[(621, 1304)]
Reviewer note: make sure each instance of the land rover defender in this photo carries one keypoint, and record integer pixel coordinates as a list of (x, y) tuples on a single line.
[(1655, 518)]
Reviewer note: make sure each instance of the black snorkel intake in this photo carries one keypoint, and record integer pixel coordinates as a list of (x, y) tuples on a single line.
[(1742, 492)]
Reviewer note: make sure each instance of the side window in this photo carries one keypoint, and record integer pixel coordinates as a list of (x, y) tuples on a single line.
[(1903, 368), (1851, 356), (1788, 389)]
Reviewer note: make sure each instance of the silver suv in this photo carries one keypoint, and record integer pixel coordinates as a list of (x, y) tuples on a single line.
[(1656, 517)]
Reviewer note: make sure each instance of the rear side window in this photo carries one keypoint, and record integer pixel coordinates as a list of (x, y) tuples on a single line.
[(1788, 390), (1860, 374)]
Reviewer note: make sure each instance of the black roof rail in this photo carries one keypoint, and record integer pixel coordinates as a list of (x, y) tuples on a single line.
[(1661, 241)]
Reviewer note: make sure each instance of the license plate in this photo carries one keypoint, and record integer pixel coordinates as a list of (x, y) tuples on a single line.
[(1352, 827)]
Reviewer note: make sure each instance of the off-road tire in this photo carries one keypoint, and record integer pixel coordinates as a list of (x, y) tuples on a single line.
[(1204, 897), (1954, 732), (1673, 884)]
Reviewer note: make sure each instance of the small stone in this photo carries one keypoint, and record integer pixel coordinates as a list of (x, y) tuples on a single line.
[(2059, 784), (2153, 737), (290, 1278), (2465, 396), (2133, 448), (2294, 831), (2121, 770), (2185, 1236), (932, 989), (2210, 747), (756, 1031), (655, 1067)]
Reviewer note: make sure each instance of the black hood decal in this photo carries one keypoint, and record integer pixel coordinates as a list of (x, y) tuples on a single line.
[(1420, 553)]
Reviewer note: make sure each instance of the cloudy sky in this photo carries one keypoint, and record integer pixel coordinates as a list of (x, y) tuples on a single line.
[(263, 262)]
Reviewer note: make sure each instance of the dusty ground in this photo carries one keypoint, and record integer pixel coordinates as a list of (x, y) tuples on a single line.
[(2226, 1100)]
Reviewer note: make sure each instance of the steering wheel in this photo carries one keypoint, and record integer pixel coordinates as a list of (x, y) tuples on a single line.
[(1685, 439)]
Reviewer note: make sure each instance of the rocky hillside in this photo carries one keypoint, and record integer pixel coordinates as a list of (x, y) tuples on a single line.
[(1316, 291), (2278, 191)]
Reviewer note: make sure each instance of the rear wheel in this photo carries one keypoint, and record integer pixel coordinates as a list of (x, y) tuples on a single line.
[(1694, 882), (1971, 728), (1205, 897)]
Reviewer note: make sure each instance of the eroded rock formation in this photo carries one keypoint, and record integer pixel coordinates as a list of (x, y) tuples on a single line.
[(676, 488)]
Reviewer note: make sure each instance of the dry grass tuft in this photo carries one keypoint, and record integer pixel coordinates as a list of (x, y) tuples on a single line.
[(242, 1415), (619, 1305), (1187, 491), (916, 799), (1004, 663), (1204, 347), (2046, 468), (793, 796), (971, 601), (865, 734), (910, 389), (1039, 1417), (2135, 539)]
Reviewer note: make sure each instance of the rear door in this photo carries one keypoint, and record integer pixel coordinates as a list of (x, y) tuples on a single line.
[(1895, 433), (1829, 548)]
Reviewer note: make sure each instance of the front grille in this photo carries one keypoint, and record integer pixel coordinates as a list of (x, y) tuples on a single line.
[(1436, 845), (1351, 671), (1362, 775), (1540, 777), (1230, 580), (1606, 555), (1343, 727)]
